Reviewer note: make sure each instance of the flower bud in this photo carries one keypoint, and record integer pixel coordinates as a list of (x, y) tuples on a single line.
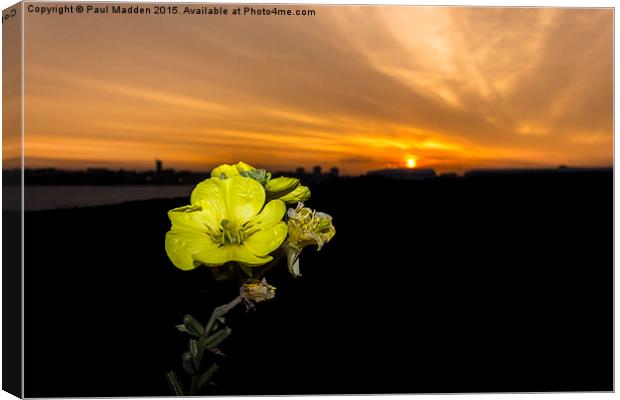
[(260, 175), (281, 186), (301, 193)]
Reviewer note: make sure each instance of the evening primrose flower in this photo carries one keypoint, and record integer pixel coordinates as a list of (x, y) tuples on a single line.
[(306, 227), (227, 220), (284, 188)]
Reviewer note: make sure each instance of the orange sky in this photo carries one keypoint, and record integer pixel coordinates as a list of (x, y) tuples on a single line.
[(355, 87)]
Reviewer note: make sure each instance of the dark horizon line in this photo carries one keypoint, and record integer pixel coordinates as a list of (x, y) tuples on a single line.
[(310, 171)]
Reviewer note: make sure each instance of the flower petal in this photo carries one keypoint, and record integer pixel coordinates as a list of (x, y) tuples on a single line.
[(186, 248), (226, 170), (192, 218), (243, 167), (301, 193), (244, 197), (209, 194), (272, 213), (292, 259), (222, 254), (245, 256), (267, 240)]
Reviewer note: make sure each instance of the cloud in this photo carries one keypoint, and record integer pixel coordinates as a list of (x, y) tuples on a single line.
[(455, 87), (357, 160)]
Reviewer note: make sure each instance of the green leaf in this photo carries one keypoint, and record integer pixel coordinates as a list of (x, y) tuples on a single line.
[(193, 326), (217, 338), (208, 375), (189, 364), (175, 385), (193, 348)]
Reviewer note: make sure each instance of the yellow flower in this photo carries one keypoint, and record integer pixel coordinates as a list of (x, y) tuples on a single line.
[(306, 227), (284, 188), (227, 220), (226, 170)]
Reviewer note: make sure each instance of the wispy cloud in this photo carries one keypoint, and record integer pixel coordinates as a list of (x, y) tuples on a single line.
[(357, 87)]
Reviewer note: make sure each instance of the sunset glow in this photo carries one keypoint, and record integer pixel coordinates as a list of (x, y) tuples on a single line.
[(358, 88)]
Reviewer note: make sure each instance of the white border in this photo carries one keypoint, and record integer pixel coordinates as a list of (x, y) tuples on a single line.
[(524, 3)]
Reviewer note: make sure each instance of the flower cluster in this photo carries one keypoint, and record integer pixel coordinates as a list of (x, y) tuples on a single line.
[(239, 215), (283, 188), (237, 220)]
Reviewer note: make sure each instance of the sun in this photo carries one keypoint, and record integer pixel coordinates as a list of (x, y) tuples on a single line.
[(411, 162)]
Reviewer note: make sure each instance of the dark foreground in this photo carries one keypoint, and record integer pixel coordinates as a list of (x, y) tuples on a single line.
[(455, 285)]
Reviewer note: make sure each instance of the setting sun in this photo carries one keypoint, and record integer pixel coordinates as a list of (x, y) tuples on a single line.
[(357, 108)]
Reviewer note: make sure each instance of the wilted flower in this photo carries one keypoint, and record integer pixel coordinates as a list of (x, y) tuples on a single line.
[(258, 291), (306, 227), (227, 220)]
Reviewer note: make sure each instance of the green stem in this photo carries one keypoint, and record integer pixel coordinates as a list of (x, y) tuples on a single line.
[(193, 390), (217, 313)]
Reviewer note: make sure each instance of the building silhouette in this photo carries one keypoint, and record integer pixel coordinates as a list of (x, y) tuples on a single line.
[(316, 175), (404, 173)]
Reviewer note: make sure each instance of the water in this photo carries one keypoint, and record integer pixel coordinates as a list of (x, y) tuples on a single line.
[(43, 197)]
